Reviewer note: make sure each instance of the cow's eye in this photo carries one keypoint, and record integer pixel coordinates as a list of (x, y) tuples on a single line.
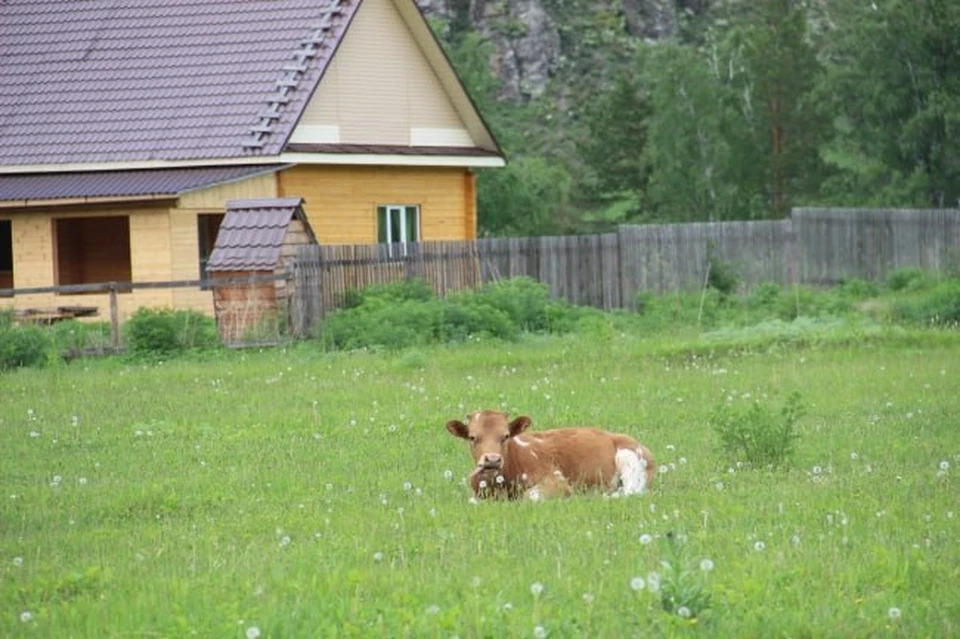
[(504, 438), (472, 438)]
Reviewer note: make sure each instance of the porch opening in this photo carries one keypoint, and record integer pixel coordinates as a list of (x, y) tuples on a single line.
[(92, 250), (207, 226), (6, 255)]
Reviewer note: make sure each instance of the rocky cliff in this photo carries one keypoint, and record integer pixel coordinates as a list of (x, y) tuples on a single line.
[(537, 39)]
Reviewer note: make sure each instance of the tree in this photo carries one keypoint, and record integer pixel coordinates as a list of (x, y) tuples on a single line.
[(893, 90)]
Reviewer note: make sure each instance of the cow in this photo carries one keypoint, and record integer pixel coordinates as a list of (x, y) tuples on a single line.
[(512, 463)]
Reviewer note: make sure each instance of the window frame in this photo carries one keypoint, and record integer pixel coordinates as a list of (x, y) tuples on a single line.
[(386, 226)]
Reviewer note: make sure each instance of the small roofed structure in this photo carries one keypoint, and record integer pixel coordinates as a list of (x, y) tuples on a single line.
[(257, 238)]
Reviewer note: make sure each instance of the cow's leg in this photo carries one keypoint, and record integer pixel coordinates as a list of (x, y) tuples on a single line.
[(632, 471), (551, 485)]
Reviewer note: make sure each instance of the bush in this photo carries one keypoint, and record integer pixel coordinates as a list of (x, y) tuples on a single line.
[(165, 332), (524, 300), (756, 434), (938, 307), (417, 290), (909, 278), (722, 276), (22, 346)]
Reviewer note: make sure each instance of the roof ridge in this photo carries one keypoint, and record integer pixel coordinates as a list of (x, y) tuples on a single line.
[(293, 72)]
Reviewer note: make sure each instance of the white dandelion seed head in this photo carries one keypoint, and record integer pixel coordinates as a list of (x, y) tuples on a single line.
[(285, 540), (507, 607), (483, 484), (854, 456), (34, 434), (759, 546), (944, 465), (407, 486), (500, 479), (378, 556), (393, 428), (684, 612), (253, 632), (587, 598), (795, 540), (894, 613), (645, 539), (653, 581), (26, 616), (433, 609), (817, 470), (539, 632), (706, 564), (637, 584), (536, 588), (18, 561), (448, 475)]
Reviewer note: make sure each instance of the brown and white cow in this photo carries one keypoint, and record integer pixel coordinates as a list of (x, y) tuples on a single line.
[(512, 463)]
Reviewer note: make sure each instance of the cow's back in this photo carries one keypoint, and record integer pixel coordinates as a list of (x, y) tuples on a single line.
[(584, 455)]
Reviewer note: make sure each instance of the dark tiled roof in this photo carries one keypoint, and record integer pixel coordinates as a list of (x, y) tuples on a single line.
[(388, 149), (252, 233), (98, 184), (130, 80)]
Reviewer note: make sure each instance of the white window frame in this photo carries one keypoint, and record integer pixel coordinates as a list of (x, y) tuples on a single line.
[(402, 210)]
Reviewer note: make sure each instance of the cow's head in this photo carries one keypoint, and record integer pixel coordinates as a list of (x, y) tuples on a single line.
[(488, 432)]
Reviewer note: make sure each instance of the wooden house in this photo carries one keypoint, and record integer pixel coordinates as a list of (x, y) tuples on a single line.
[(125, 128)]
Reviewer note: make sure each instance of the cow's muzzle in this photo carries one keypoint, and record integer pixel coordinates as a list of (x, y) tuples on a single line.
[(490, 461)]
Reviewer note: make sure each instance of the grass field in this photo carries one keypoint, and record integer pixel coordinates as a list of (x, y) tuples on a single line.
[(301, 494)]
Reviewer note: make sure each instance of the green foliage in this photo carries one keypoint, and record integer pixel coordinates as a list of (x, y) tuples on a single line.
[(938, 306), (22, 346), (527, 197), (909, 278), (683, 589), (166, 332), (722, 275), (412, 290), (756, 434)]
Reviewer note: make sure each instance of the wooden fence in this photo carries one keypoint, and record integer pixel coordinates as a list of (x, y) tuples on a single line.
[(814, 246)]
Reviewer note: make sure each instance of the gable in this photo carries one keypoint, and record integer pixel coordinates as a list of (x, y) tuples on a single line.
[(384, 86)]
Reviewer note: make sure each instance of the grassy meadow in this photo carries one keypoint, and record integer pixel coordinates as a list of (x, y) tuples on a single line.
[(297, 493)]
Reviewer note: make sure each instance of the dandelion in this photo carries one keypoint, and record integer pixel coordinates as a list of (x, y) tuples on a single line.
[(645, 539), (285, 541), (378, 556), (34, 434), (817, 470), (706, 565), (854, 456), (684, 612), (587, 598), (653, 581), (944, 465), (893, 613), (759, 546), (795, 540), (637, 584), (448, 475), (500, 479), (433, 609), (407, 486), (536, 588), (253, 632), (26, 616), (507, 607), (539, 632), (18, 561), (83, 481), (719, 485), (483, 484)]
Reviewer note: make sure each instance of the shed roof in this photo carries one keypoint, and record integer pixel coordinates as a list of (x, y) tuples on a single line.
[(252, 233), (115, 81), (104, 184)]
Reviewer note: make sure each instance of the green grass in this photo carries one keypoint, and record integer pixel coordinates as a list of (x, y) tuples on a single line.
[(318, 495)]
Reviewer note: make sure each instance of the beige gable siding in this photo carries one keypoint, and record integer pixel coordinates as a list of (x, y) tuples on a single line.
[(380, 89)]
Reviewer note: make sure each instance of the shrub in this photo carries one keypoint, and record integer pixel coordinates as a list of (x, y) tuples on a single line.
[(722, 276), (766, 296), (938, 307), (756, 434), (164, 332), (22, 346), (857, 289), (389, 293), (524, 300), (909, 278)]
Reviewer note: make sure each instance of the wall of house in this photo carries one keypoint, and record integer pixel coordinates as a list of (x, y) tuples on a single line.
[(381, 89), (35, 255), (341, 201)]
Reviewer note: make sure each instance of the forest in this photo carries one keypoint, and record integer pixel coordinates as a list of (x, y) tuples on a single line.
[(746, 109)]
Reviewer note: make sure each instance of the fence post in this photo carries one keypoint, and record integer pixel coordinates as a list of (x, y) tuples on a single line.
[(114, 317)]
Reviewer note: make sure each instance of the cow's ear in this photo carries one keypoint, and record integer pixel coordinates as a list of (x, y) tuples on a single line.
[(519, 425), (457, 428)]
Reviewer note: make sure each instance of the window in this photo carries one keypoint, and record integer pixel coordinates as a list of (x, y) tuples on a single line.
[(207, 226), (6, 254), (398, 224), (92, 250)]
